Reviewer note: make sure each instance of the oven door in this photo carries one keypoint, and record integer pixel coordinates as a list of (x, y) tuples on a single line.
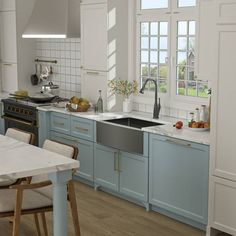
[(11, 122)]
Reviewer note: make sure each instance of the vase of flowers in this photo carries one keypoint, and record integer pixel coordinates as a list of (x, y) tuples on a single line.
[(126, 89)]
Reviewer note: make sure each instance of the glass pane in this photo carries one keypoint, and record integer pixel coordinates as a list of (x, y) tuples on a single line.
[(144, 56), (192, 29), (154, 28), (192, 89), (186, 3), (163, 72), (182, 43), (181, 58), (202, 90), (144, 28), (191, 44), (182, 28), (163, 43), (154, 4), (144, 43), (181, 73), (162, 86), (180, 88), (163, 28), (154, 43), (191, 74), (153, 71), (162, 57), (144, 70), (191, 59), (153, 56)]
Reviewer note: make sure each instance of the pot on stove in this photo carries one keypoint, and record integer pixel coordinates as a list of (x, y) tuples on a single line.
[(51, 88)]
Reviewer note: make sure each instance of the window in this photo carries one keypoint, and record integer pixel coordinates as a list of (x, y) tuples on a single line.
[(167, 49)]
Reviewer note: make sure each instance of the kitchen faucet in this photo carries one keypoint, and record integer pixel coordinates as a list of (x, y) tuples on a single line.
[(157, 106)]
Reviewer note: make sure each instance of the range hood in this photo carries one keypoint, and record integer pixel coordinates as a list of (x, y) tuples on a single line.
[(54, 19)]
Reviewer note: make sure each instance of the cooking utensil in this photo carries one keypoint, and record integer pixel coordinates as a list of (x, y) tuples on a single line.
[(51, 88), (34, 78), (37, 97)]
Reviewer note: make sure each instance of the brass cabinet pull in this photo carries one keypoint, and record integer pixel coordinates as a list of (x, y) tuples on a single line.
[(58, 123), (71, 139), (115, 161), (81, 129), (178, 142), (7, 64), (119, 162), (93, 73)]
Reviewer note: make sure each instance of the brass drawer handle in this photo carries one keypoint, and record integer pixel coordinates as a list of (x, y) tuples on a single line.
[(92, 73), (115, 161), (7, 64), (178, 142), (81, 129), (58, 123)]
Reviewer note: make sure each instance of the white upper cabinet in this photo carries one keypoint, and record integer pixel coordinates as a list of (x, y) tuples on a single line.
[(94, 37), (9, 75), (8, 36), (7, 5)]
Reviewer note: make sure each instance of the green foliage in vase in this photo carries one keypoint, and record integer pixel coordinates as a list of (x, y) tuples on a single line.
[(123, 87)]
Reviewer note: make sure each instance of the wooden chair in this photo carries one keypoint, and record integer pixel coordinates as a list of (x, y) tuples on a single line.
[(22, 136), (36, 197)]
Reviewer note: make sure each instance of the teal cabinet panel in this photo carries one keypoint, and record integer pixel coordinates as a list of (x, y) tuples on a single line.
[(43, 123), (178, 177), (85, 155), (82, 128), (2, 126), (60, 122), (106, 167), (134, 176)]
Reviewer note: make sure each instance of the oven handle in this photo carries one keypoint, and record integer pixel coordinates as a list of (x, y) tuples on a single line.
[(19, 121)]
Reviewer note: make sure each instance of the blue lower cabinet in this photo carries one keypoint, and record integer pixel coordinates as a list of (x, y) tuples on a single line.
[(134, 176), (43, 124), (106, 167), (178, 178), (85, 155), (121, 172)]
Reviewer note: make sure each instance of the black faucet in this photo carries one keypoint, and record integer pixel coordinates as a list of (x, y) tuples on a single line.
[(157, 106)]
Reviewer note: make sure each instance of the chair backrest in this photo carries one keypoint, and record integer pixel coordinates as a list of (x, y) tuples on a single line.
[(61, 148), (20, 135)]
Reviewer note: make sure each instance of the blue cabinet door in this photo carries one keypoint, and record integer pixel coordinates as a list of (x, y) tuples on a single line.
[(106, 167), (178, 177), (60, 122), (85, 155), (134, 176)]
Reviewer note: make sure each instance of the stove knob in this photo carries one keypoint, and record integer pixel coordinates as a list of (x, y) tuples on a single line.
[(26, 113), (30, 113), (21, 110)]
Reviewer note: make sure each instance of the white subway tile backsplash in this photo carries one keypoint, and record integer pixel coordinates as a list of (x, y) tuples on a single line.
[(66, 73)]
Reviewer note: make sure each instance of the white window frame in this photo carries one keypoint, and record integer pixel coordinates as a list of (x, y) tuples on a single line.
[(171, 14)]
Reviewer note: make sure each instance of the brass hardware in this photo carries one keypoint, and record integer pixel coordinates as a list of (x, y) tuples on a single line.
[(81, 129), (19, 121), (115, 161), (7, 64), (168, 13), (92, 73), (71, 139), (178, 142), (58, 123), (175, 12), (119, 160)]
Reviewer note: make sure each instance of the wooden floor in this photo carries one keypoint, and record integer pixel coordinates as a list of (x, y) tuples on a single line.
[(101, 214)]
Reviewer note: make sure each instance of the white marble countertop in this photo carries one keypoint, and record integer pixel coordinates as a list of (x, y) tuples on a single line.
[(3, 95), (19, 160), (167, 129)]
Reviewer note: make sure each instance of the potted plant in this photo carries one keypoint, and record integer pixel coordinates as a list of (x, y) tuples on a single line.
[(126, 89)]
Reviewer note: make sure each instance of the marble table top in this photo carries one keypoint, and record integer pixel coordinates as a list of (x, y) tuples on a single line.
[(19, 160)]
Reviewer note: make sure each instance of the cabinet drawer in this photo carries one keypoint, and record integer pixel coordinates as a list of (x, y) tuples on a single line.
[(82, 128), (60, 123), (223, 205)]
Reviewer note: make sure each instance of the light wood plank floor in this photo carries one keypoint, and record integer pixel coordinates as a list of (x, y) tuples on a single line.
[(101, 214)]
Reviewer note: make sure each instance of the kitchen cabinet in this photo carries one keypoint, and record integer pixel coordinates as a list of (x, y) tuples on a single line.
[(44, 126), (2, 130), (7, 5), (121, 172), (178, 178), (222, 211), (17, 54), (85, 155), (60, 123)]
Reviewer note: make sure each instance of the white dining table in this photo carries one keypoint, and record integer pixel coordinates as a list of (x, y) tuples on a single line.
[(18, 160)]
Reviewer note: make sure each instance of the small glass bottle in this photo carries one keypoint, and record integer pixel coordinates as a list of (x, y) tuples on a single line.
[(100, 102), (190, 119), (203, 115), (197, 115)]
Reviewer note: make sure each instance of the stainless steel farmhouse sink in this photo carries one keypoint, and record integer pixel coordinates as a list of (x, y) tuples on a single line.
[(124, 133)]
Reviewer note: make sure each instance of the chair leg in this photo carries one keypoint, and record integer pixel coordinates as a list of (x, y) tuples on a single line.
[(17, 213), (36, 220), (44, 223), (73, 205)]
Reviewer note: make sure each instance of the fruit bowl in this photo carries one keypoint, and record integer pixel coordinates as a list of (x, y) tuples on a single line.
[(198, 129)]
